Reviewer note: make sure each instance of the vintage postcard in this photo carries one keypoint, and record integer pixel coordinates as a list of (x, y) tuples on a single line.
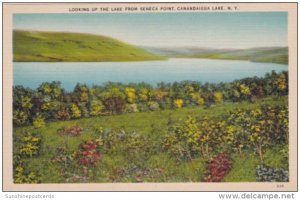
[(150, 96)]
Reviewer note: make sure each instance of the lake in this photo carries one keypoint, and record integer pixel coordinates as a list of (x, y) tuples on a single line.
[(32, 74)]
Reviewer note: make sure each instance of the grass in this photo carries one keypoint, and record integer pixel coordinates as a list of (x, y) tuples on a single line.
[(243, 168), (34, 46), (159, 166)]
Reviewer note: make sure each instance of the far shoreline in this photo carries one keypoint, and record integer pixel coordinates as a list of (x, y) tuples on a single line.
[(154, 60)]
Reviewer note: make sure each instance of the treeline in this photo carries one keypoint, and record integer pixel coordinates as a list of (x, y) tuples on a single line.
[(51, 102)]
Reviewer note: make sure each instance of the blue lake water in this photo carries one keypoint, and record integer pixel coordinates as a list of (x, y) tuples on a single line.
[(175, 69)]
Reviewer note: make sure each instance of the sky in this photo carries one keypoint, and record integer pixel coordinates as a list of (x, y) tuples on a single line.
[(212, 30)]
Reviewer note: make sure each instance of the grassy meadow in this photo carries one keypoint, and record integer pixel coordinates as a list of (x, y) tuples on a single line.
[(35, 46), (148, 163)]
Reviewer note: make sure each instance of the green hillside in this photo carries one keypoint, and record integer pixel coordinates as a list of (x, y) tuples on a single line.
[(271, 55), (263, 54), (34, 46)]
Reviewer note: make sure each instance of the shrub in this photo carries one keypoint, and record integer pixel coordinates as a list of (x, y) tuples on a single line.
[(96, 108), (245, 90), (259, 128), (218, 97), (71, 131), (130, 93), (38, 122), (213, 136), (26, 102), (76, 113), (176, 148), (183, 141), (143, 94), (218, 168), (281, 83), (30, 145), (63, 115), (49, 98), (134, 145), (131, 108), (196, 97), (19, 117), (88, 154), (84, 110), (114, 100), (267, 174), (143, 107), (62, 157), (153, 105), (23, 176), (178, 103)]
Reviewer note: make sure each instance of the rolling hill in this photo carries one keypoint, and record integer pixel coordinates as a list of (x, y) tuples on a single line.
[(263, 54), (36, 46)]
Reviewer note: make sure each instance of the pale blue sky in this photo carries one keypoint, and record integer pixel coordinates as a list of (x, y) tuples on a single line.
[(214, 30)]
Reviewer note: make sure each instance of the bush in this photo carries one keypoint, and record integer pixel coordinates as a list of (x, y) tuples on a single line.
[(76, 113), (88, 154), (71, 131), (131, 108), (143, 107), (218, 168), (22, 176), (268, 174), (30, 145), (178, 103), (134, 145), (218, 97), (183, 141), (19, 117), (63, 115), (38, 122), (153, 105), (84, 110), (96, 108), (49, 98)]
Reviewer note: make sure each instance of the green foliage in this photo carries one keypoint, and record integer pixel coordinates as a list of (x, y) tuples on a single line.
[(114, 100), (218, 97), (178, 103), (22, 176), (243, 168), (75, 111), (30, 145), (153, 106), (26, 103), (183, 140), (130, 93), (261, 127), (277, 157), (52, 102), (243, 129), (131, 108), (281, 83), (143, 94), (267, 174), (38, 122), (96, 108), (24, 148), (245, 90), (19, 117), (132, 151)]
